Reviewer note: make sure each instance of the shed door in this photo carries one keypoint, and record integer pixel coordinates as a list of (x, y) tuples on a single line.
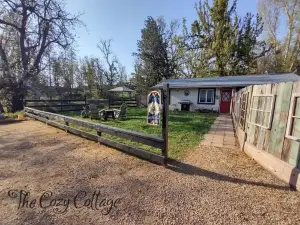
[(225, 100)]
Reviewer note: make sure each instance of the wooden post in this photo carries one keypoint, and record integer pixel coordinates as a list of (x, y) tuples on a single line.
[(99, 135), (67, 124), (165, 113), (47, 120)]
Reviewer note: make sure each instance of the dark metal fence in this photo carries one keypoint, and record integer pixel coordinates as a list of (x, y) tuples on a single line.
[(63, 105)]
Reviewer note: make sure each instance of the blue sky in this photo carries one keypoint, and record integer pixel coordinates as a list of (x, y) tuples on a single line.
[(122, 21)]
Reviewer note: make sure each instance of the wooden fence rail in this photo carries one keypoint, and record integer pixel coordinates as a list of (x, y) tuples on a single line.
[(154, 141), (55, 100), (116, 101)]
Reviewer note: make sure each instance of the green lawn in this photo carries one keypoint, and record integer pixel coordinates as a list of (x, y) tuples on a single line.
[(186, 129)]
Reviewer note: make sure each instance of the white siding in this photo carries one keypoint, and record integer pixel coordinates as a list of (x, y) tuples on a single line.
[(177, 95)]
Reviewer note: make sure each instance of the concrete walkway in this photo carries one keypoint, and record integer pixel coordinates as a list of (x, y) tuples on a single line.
[(221, 133)]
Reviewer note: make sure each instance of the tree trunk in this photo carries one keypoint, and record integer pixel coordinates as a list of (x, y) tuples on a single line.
[(18, 103), (1, 108), (221, 70), (14, 101)]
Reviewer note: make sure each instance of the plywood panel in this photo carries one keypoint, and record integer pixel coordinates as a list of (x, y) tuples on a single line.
[(286, 150), (280, 118), (294, 154)]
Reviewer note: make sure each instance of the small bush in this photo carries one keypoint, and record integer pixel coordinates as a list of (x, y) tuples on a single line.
[(14, 115)]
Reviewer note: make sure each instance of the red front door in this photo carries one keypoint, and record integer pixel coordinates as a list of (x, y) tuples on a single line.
[(225, 100)]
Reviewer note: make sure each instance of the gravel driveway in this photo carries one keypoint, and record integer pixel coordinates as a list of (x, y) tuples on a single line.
[(50, 177)]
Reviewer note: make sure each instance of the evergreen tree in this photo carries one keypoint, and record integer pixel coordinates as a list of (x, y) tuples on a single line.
[(153, 62)]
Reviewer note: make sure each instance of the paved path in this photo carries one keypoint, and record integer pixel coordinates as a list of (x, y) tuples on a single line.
[(210, 186), (221, 133)]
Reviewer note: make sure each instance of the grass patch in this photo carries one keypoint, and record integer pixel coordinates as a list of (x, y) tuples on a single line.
[(186, 129), (14, 115)]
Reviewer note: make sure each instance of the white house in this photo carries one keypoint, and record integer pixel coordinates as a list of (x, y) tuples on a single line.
[(214, 93)]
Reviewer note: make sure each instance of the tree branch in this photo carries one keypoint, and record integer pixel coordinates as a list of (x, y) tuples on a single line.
[(9, 24)]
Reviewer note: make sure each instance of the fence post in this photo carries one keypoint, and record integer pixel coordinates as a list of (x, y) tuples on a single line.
[(67, 124), (99, 135), (165, 113)]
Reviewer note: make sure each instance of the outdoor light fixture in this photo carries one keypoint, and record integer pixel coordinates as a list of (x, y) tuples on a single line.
[(186, 92)]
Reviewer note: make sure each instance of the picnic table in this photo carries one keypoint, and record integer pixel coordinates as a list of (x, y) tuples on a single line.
[(94, 112), (109, 113)]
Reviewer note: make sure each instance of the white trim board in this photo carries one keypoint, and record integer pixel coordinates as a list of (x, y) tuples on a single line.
[(277, 167)]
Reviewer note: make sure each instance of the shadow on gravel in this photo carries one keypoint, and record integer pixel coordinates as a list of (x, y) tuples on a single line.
[(184, 168), (294, 178), (9, 121)]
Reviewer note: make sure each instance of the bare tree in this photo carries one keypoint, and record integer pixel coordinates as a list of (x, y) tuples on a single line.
[(285, 55), (36, 25), (122, 74), (111, 61), (99, 78)]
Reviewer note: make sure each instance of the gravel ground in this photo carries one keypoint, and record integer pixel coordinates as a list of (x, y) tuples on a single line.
[(48, 177)]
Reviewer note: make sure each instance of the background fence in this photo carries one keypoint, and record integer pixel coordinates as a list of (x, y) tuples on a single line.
[(116, 102), (66, 105), (267, 123), (62, 105), (73, 125)]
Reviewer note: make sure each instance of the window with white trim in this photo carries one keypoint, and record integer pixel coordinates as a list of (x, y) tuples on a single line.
[(261, 111), (233, 104), (244, 99), (206, 96), (236, 106), (293, 126)]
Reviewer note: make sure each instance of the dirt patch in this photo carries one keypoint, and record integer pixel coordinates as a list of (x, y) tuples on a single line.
[(211, 186)]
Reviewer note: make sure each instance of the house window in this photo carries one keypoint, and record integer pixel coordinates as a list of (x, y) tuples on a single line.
[(261, 111), (244, 100), (293, 126), (206, 96)]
